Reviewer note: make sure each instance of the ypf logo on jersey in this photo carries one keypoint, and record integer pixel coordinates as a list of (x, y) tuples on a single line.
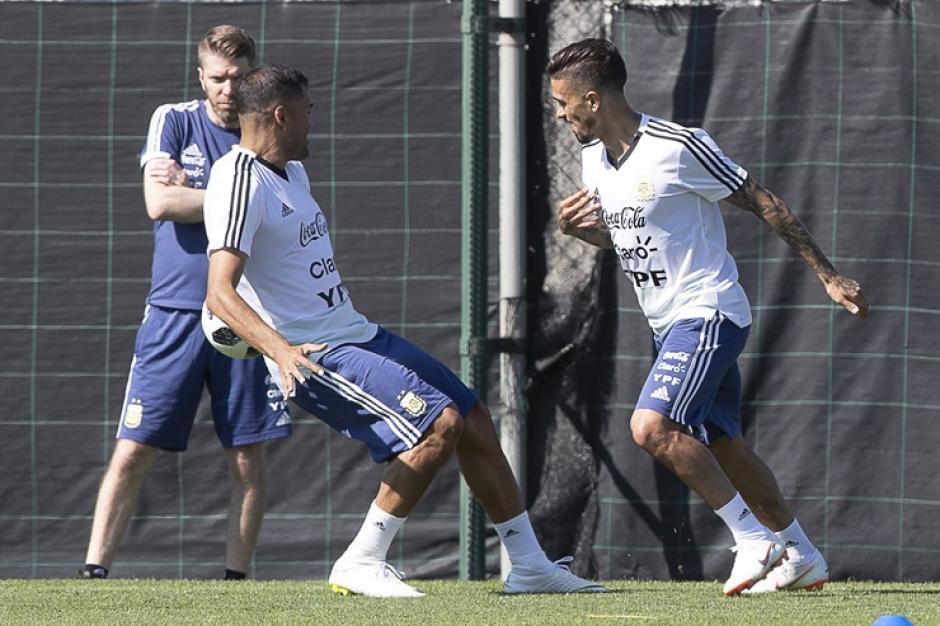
[(412, 402)]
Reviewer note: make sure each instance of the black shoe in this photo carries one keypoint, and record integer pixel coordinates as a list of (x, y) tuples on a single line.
[(92, 571)]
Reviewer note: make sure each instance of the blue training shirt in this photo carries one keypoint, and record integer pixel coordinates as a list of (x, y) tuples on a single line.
[(183, 132)]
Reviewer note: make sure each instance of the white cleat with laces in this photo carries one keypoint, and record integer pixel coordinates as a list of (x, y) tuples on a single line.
[(808, 574), (752, 562), (376, 579), (552, 578)]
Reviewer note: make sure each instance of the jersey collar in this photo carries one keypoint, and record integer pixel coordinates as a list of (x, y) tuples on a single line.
[(282, 172), (644, 118)]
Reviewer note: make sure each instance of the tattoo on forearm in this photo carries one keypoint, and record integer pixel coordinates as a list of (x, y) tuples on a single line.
[(797, 237), (762, 203)]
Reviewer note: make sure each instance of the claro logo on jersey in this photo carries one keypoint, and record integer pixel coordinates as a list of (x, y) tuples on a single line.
[(322, 267), (312, 231), (641, 255)]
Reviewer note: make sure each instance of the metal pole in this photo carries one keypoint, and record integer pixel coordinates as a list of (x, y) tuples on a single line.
[(512, 243), (475, 127)]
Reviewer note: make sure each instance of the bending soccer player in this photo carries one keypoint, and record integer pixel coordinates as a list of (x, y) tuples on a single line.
[(173, 362), (652, 192), (273, 279)]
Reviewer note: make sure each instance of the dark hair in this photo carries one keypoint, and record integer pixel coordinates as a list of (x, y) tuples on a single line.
[(590, 63), (230, 42), (267, 86)]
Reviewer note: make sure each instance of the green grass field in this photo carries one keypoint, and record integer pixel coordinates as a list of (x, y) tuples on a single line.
[(128, 602)]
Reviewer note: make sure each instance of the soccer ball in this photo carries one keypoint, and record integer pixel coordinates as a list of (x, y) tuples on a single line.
[(224, 338)]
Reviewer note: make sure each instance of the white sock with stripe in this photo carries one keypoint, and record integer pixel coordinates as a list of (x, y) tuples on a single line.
[(376, 535), (798, 544), (741, 521), (521, 544)]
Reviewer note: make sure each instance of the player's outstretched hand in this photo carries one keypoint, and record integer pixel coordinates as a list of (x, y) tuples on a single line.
[(848, 293), (294, 365), (167, 172), (578, 212)]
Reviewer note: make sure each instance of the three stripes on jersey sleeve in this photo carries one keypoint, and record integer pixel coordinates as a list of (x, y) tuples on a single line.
[(238, 202), (158, 123), (710, 159)]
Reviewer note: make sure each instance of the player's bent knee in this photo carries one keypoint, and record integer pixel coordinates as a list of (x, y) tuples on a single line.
[(649, 429), (479, 420), (447, 429)]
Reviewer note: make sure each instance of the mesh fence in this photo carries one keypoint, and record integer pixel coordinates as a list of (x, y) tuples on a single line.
[(78, 82), (832, 106)]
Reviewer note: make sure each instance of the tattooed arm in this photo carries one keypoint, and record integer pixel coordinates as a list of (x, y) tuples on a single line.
[(768, 207), (578, 216)]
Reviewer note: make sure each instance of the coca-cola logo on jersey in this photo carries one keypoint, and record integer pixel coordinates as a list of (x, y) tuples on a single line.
[(627, 217), (313, 230)]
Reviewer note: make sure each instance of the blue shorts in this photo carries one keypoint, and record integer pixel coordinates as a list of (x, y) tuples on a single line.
[(385, 392), (695, 379), (172, 363)]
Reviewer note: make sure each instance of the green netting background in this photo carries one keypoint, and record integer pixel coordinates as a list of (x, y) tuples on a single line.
[(835, 107), (78, 82), (832, 105)]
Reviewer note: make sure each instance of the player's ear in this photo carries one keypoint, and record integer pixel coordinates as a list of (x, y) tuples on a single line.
[(594, 100), (280, 115)]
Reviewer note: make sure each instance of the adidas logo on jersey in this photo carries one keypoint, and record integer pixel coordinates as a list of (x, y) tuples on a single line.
[(286, 210), (192, 155), (661, 394)]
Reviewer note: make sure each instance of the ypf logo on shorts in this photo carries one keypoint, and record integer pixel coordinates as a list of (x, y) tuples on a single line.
[(413, 403), (134, 413)]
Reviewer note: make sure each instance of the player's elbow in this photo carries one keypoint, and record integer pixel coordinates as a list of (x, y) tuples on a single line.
[(159, 205), (157, 211), (159, 200), (213, 298)]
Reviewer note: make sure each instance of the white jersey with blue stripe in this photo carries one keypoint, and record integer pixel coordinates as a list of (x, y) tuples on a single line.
[(290, 278), (660, 202)]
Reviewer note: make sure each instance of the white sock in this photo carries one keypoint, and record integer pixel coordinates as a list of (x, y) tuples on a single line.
[(376, 535), (798, 544), (741, 521), (521, 545)]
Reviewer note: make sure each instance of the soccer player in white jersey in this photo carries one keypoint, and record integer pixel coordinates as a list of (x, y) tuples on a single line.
[(651, 194), (274, 280)]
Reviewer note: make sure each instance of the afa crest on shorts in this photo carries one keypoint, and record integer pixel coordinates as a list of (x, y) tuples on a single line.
[(413, 403), (133, 414)]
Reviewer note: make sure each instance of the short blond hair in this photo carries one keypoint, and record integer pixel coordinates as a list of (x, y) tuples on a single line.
[(227, 41)]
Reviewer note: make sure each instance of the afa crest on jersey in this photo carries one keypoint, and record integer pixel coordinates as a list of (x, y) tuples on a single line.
[(644, 190)]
